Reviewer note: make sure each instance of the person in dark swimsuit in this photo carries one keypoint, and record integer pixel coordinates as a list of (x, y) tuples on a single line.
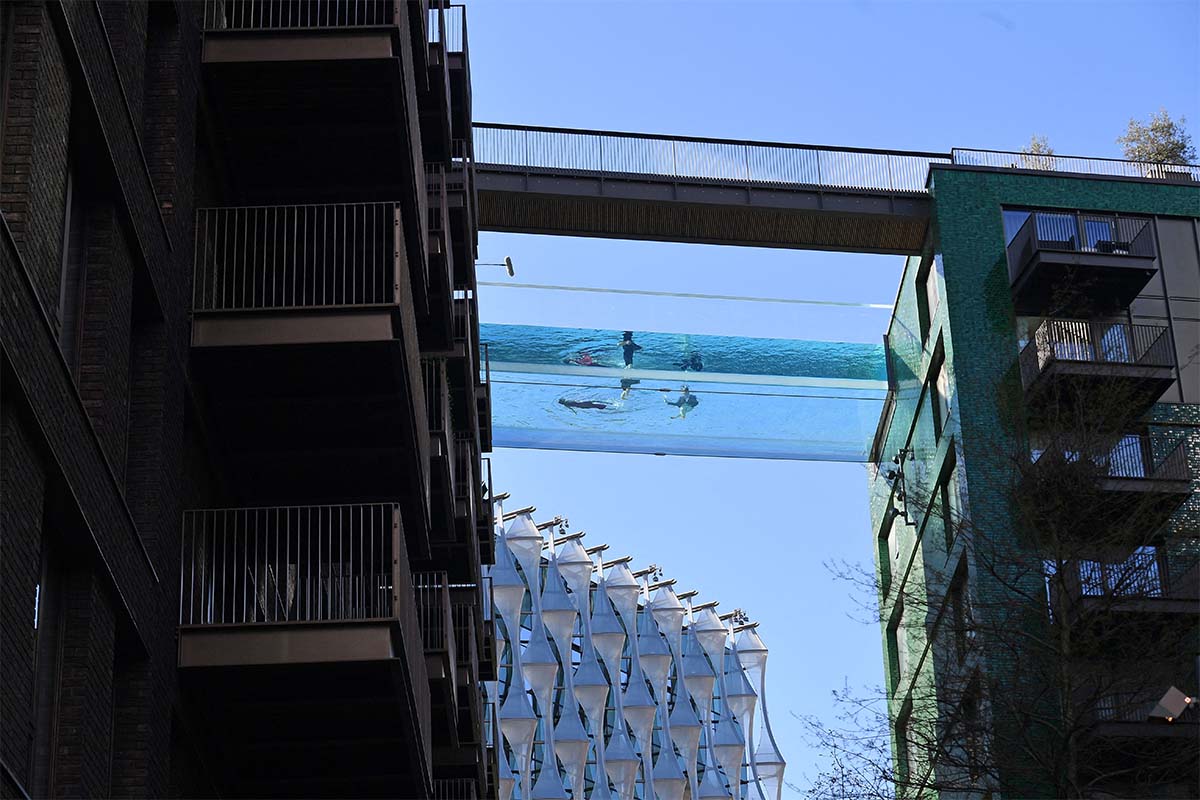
[(693, 362), (574, 404), (685, 402), (627, 384), (628, 348)]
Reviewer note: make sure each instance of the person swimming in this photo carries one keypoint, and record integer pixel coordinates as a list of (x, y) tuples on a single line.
[(574, 404), (628, 348), (693, 362), (585, 358), (685, 402)]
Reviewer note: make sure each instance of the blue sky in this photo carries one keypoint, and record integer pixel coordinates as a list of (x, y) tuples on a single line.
[(915, 75)]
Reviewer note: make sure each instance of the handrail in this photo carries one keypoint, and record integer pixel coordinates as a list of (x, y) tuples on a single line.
[(267, 565), (1154, 456), (1076, 232), (1052, 162), (668, 137), (298, 256), (268, 15), (698, 158), (1088, 341)]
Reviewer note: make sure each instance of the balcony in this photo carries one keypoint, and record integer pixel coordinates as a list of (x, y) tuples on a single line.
[(436, 333), (432, 590), (1147, 582), (487, 518), (1114, 369), (304, 339), (1123, 487), (317, 98), (464, 225), (441, 455), (1070, 263), (466, 648), (300, 650), (487, 649)]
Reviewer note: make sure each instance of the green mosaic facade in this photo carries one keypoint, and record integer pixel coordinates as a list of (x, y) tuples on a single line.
[(966, 326)]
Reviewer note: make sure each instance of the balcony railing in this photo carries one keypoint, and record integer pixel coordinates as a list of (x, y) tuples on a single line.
[(448, 27), (1082, 233), (289, 564), (432, 591), (465, 642), (771, 163), (1111, 167), (454, 789), (1156, 457), (1095, 342), (1147, 573), (437, 398), (466, 472), (275, 15), (296, 257)]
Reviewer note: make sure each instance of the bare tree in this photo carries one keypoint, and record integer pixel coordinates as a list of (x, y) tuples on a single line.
[(1046, 612), (1158, 140), (1038, 154)]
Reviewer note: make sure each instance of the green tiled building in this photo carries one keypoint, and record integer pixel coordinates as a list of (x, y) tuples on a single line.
[(1034, 489)]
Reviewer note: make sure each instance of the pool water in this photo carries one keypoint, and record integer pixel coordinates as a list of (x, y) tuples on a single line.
[(569, 388)]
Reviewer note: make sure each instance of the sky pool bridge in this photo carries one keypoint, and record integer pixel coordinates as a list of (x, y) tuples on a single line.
[(565, 388)]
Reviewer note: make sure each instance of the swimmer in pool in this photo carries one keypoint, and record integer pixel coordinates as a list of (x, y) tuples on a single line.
[(626, 385), (628, 348), (685, 402), (693, 362), (574, 404), (584, 359)]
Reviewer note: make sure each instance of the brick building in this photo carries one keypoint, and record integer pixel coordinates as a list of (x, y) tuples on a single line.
[(1035, 491), (241, 412)]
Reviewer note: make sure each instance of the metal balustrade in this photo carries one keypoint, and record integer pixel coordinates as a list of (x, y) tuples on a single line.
[(432, 590), (454, 789), (277, 15), (465, 646), (1043, 162), (466, 472), (1082, 233), (294, 257), (288, 564), (448, 27), (1095, 342), (1155, 456), (688, 158)]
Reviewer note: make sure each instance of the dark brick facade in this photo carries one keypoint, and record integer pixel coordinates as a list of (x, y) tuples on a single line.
[(113, 87)]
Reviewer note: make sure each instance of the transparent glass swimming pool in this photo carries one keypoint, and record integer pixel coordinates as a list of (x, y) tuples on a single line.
[(570, 388)]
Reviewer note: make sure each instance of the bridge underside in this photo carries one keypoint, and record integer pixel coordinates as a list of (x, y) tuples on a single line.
[(569, 389), (662, 208)]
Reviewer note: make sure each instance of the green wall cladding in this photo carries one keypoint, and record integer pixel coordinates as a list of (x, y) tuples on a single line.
[(976, 324)]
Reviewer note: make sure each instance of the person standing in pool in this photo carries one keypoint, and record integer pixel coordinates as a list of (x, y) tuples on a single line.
[(627, 384), (628, 348), (685, 402)]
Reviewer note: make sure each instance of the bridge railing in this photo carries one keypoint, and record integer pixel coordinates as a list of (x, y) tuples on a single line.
[(1049, 162), (691, 158)]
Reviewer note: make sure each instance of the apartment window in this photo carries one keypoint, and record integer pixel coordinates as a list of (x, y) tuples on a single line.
[(903, 755), (47, 624), (960, 614), (972, 729), (939, 381), (887, 535), (927, 297), (74, 269), (948, 500)]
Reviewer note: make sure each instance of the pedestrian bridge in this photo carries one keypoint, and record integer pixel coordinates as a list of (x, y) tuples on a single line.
[(569, 389), (701, 190)]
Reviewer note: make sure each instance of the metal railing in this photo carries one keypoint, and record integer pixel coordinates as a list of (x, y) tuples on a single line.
[(454, 789), (1095, 342), (432, 590), (448, 27), (437, 394), (465, 642), (1155, 456), (1111, 167), (695, 158), (466, 473), (1082, 233), (291, 257), (273, 15), (289, 564)]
